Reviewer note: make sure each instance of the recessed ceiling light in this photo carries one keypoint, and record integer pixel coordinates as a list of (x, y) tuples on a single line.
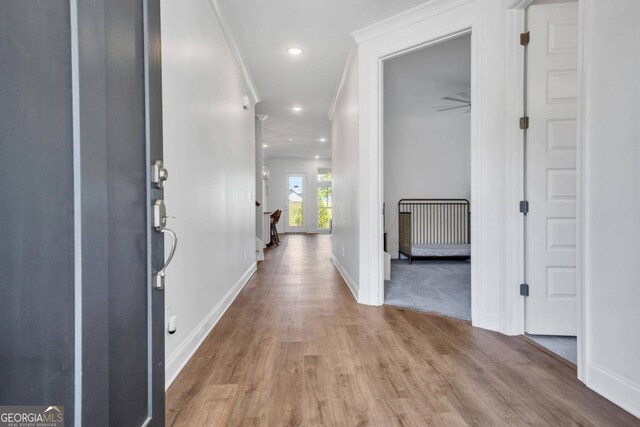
[(294, 51), (317, 157), (297, 109), (290, 139), (264, 145), (323, 139)]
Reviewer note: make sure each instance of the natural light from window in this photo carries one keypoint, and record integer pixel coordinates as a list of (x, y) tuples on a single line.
[(325, 199)]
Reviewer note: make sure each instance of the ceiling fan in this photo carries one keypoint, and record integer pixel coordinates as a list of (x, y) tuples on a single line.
[(463, 100)]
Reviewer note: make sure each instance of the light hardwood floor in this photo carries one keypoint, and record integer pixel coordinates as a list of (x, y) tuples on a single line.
[(296, 349)]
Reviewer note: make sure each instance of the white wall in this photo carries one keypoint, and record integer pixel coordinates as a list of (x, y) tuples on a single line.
[(424, 158), (278, 167), (209, 152), (344, 152), (611, 199)]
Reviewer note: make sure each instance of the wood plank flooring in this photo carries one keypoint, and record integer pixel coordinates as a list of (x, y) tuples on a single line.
[(296, 349)]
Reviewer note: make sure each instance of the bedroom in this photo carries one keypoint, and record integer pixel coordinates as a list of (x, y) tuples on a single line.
[(427, 178)]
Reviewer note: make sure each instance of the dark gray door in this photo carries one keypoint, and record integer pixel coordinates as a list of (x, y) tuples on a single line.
[(80, 126), (36, 205)]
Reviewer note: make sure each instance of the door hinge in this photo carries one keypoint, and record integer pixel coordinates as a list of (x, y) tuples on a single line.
[(524, 289), (524, 122), (524, 207), (524, 38)]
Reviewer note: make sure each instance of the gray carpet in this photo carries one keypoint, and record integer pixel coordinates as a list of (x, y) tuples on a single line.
[(436, 286), (565, 347)]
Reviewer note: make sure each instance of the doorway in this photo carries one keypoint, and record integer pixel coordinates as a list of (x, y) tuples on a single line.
[(550, 177), (294, 203), (427, 178)]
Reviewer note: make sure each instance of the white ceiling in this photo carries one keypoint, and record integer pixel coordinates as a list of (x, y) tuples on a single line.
[(265, 30), (415, 83)]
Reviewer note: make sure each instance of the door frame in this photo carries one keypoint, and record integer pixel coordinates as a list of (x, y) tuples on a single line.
[(516, 20), (436, 21), (373, 51), (305, 184)]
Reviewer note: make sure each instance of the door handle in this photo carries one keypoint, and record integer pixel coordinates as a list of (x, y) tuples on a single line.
[(159, 223), (160, 275)]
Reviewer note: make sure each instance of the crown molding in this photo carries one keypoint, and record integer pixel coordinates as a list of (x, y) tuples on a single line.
[(353, 50), (517, 4), (416, 14), (220, 8)]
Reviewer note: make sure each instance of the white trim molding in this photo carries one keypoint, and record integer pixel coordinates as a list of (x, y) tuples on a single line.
[(353, 50), (220, 8), (425, 11), (396, 36), (581, 182), (620, 391), (511, 302), (351, 284), (181, 356), (517, 4)]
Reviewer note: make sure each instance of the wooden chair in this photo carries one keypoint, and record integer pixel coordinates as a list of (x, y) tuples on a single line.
[(275, 218)]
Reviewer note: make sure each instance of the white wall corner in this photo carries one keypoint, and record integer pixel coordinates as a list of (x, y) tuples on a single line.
[(416, 14), (609, 353), (220, 8), (181, 356), (351, 284), (353, 49)]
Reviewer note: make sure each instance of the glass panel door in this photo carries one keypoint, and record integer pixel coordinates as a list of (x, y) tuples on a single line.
[(325, 207), (294, 202)]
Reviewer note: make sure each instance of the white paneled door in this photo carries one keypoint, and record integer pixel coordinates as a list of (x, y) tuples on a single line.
[(552, 59)]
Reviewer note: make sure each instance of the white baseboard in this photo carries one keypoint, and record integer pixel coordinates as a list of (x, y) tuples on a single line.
[(259, 250), (351, 284), (182, 355), (619, 390)]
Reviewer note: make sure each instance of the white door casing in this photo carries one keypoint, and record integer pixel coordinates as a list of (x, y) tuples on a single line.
[(552, 60)]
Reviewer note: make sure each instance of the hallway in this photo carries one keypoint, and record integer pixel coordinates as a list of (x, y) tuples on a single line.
[(296, 349)]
